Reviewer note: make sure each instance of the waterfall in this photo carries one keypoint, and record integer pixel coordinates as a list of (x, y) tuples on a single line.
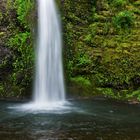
[(49, 92), (49, 84)]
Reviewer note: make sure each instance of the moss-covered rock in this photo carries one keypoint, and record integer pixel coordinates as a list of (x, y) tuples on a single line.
[(106, 49), (101, 47), (16, 51)]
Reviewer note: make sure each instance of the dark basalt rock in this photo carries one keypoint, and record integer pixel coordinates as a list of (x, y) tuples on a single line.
[(4, 53), (136, 81), (5, 62)]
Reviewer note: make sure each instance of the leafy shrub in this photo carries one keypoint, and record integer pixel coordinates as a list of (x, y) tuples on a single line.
[(135, 94), (137, 3), (83, 60), (92, 29), (108, 92), (23, 60), (119, 3), (1, 16), (20, 42), (23, 8), (123, 19), (81, 80)]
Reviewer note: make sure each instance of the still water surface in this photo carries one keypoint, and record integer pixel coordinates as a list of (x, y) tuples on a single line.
[(98, 119)]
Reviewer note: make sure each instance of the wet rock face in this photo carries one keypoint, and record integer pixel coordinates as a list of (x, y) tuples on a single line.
[(5, 62), (5, 52), (136, 81), (97, 50), (2, 5)]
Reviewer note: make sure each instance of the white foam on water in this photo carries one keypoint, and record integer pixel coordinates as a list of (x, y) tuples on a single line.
[(50, 108)]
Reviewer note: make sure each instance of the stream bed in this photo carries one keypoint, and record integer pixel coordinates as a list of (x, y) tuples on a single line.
[(96, 119)]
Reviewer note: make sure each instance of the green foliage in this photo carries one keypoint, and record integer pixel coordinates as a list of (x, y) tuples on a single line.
[(119, 3), (108, 92), (136, 11), (82, 81), (100, 79), (88, 38), (23, 59), (23, 8), (1, 17), (92, 30), (17, 61), (123, 20), (123, 95), (135, 94), (69, 69), (103, 48), (137, 3), (83, 60)]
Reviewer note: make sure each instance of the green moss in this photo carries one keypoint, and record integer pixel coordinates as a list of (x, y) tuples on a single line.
[(23, 9), (124, 20), (136, 11), (123, 95), (107, 92), (81, 86), (137, 3), (81, 81), (83, 60), (120, 3), (2, 33), (1, 17), (135, 94), (17, 37)]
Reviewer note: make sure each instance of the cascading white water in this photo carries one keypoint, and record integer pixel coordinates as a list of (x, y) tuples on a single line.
[(49, 93), (49, 84)]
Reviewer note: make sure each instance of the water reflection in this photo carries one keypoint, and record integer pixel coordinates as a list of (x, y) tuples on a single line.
[(85, 120)]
